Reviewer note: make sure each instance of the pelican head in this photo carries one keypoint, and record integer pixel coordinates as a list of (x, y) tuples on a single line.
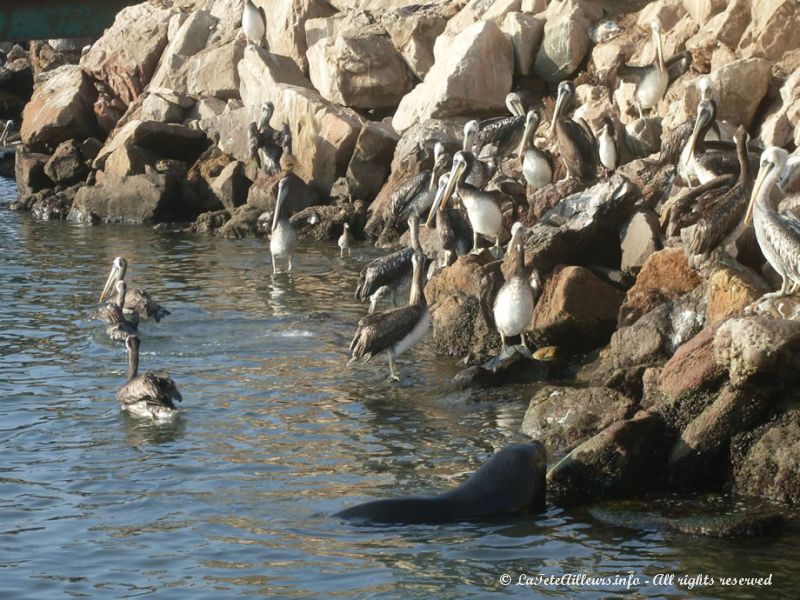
[(706, 112), (531, 124), (773, 161), (608, 127), (514, 104), (267, 110), (470, 133), (117, 273), (705, 86), (280, 201), (566, 90), (659, 60), (788, 178), (377, 296), (460, 164), (439, 160), (437, 200), (517, 235), (438, 151), (121, 288)]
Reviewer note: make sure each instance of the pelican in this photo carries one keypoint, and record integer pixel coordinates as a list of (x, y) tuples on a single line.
[(150, 395), (382, 292), (537, 164), (414, 196), (483, 208), (607, 146), (391, 269), (397, 330), (513, 306), (283, 240), (576, 143), (652, 81), (136, 300), (104, 312), (446, 228), (703, 165), (118, 327), (345, 241), (265, 143), (501, 132), (778, 234), (720, 218), (479, 172), (254, 23), (6, 133)]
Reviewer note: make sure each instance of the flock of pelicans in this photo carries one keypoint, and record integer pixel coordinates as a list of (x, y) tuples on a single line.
[(721, 199)]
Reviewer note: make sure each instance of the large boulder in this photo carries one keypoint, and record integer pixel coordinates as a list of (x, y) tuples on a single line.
[(369, 165), (211, 72), (189, 38), (774, 32), (414, 29), (29, 172), (260, 72), (67, 165), (639, 239), (739, 88), (60, 109), (526, 34), (473, 75), (286, 34), (167, 140), (359, 68), (136, 199), (127, 54), (730, 291), (565, 44)]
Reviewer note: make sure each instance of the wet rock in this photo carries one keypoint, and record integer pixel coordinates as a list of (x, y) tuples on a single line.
[(460, 325), (369, 165), (757, 349), (473, 76), (127, 54), (564, 45), (359, 68), (730, 291), (327, 222), (209, 222), (261, 72), (414, 29), (510, 367), (167, 140), (562, 417), (747, 525), (624, 459), (231, 186), (59, 110), (577, 309), (526, 33), (286, 33), (136, 199), (766, 462), (29, 172), (640, 237), (242, 224), (67, 165), (47, 205)]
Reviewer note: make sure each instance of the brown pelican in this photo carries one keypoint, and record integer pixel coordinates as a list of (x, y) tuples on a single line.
[(537, 164), (150, 395), (450, 243), (501, 132), (479, 172), (513, 305), (483, 208), (703, 164), (607, 146), (266, 144), (576, 143), (391, 269), (254, 22), (778, 234), (414, 196), (283, 240), (396, 330), (6, 133), (136, 300), (720, 217), (382, 292), (675, 144), (117, 326), (345, 240), (651, 81)]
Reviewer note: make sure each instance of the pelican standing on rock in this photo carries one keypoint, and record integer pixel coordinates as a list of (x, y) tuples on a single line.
[(345, 241), (390, 270), (778, 234), (150, 395), (283, 240), (254, 22), (537, 164), (136, 300), (513, 306), (576, 143), (397, 330), (607, 146), (267, 145), (414, 196), (652, 80)]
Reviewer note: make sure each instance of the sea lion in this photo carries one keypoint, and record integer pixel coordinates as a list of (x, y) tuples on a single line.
[(511, 481)]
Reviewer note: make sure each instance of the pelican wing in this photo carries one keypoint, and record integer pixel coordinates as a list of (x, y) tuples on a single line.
[(383, 271), (791, 221), (678, 64), (684, 210), (252, 141), (498, 130), (138, 300), (405, 193), (154, 387), (719, 216), (380, 331), (673, 142)]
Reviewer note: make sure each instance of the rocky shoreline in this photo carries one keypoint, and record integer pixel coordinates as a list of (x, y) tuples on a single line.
[(665, 378)]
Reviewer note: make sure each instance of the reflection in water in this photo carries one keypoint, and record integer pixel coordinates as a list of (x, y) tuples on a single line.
[(274, 435)]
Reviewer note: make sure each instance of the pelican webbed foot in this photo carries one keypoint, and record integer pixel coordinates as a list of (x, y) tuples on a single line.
[(787, 287), (394, 374)]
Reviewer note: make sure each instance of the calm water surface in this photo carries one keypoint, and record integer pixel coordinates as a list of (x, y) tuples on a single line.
[(234, 496)]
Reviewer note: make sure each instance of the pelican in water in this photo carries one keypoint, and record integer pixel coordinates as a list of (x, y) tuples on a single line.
[(778, 234), (382, 292), (397, 330), (117, 326), (414, 196), (136, 300), (575, 140), (283, 240), (150, 395), (607, 146), (513, 305), (390, 270), (345, 241), (254, 23), (6, 133), (266, 144), (483, 208), (537, 164)]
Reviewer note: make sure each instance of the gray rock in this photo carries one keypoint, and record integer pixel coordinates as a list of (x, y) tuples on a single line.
[(369, 165), (66, 166), (136, 199), (566, 42), (231, 186), (29, 172), (640, 237)]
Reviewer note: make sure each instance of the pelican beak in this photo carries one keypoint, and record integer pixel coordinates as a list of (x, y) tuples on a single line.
[(470, 131), (515, 105), (530, 128), (282, 192), (113, 277), (437, 200), (762, 175), (455, 176), (557, 111), (659, 48)]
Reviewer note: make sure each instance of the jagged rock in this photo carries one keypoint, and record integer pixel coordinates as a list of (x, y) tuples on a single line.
[(669, 12), (544, 199), (327, 222), (702, 10), (692, 368), (128, 160), (576, 309), (725, 29), (29, 172), (66, 165), (127, 54), (158, 108), (242, 224), (60, 109), (770, 466), (565, 43), (752, 349), (414, 29), (48, 205), (625, 458), (260, 72), (562, 417), (286, 33), (665, 275), (640, 238), (167, 140), (136, 199), (508, 368), (774, 32), (454, 295), (210, 72), (526, 33), (190, 37), (779, 126), (473, 76), (231, 186), (209, 222), (730, 291), (369, 165), (229, 18)]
